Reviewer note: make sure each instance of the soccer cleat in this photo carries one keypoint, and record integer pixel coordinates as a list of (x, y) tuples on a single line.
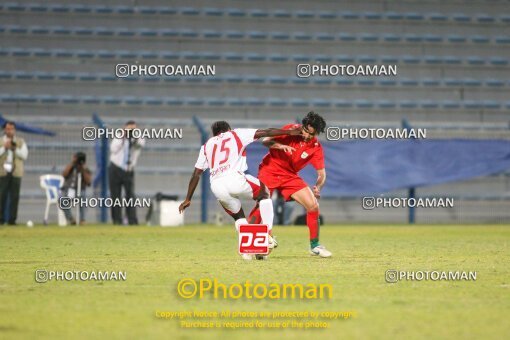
[(272, 242), (247, 257), (275, 242), (261, 257), (320, 251)]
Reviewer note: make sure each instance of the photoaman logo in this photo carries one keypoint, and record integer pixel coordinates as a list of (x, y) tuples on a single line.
[(188, 288)]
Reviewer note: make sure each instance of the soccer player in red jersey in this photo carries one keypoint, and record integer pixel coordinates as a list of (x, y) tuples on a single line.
[(279, 171)]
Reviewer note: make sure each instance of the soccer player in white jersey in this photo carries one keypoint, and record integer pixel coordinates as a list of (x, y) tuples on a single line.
[(225, 155)]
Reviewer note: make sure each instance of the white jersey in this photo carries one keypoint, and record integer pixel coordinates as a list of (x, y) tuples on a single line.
[(226, 153)]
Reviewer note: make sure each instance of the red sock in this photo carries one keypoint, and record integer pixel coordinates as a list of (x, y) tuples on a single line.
[(255, 217), (312, 220)]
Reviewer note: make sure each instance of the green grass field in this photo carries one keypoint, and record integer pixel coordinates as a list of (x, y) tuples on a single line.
[(155, 259)]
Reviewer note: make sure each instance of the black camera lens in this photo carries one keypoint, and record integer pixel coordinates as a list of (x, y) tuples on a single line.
[(81, 158)]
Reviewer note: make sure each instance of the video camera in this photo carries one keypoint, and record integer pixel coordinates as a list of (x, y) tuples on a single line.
[(81, 158)]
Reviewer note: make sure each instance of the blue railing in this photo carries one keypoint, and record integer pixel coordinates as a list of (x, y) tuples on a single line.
[(204, 136), (412, 190), (102, 166)]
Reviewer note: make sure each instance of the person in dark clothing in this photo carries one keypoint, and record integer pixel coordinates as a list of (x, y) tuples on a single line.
[(124, 153), (72, 173)]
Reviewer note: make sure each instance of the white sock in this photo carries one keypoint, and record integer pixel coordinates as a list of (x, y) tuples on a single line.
[(267, 212), (240, 222)]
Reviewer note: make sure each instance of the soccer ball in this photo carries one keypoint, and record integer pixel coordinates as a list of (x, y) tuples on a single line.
[(272, 244)]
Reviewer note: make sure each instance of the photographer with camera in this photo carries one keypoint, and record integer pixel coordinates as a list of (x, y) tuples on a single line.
[(74, 172), (124, 153), (13, 153)]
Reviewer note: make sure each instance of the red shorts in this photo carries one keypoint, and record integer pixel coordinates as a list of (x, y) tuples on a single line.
[(286, 182)]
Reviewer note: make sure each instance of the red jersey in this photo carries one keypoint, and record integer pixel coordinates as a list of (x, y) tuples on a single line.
[(310, 152)]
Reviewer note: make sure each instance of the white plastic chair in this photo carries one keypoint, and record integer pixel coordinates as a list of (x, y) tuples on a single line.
[(51, 185)]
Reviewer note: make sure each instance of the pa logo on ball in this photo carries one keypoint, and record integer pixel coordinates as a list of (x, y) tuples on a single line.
[(254, 239)]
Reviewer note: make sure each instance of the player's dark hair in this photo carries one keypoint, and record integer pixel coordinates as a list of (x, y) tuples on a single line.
[(220, 127), (130, 122), (9, 122), (314, 120)]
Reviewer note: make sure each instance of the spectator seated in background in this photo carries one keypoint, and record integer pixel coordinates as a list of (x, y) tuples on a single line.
[(72, 173)]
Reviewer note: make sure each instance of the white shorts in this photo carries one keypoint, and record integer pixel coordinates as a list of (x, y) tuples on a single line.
[(229, 188)]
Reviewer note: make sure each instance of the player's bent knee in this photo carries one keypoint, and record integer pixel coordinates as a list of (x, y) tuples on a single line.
[(313, 207), (263, 194)]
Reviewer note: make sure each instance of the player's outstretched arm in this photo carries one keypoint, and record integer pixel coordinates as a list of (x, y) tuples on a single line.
[(193, 182), (272, 132), (270, 143)]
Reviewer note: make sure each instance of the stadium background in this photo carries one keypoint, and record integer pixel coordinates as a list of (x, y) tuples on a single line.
[(57, 66)]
